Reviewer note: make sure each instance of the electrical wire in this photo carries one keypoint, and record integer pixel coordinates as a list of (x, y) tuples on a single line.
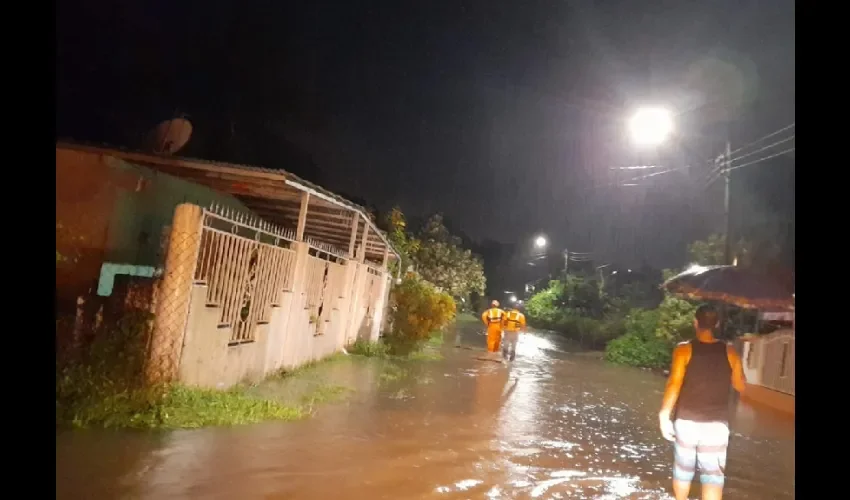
[(763, 148), (789, 150), (768, 136), (641, 177), (749, 163), (720, 165)]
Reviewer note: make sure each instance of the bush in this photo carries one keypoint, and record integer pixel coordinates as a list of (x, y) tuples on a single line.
[(675, 319), (418, 309), (641, 346), (544, 308), (635, 350)]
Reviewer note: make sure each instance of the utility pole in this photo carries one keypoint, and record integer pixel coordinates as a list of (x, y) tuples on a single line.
[(727, 173), (727, 243)]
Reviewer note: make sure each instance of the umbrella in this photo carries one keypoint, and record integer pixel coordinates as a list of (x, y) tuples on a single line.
[(732, 285)]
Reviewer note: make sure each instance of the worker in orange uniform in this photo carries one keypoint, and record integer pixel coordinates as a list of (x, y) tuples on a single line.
[(513, 324), (493, 319)]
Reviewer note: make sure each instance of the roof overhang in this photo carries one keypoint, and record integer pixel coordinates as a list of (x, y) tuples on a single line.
[(273, 195)]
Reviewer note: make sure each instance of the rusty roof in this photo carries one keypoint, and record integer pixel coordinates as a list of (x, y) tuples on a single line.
[(272, 194)]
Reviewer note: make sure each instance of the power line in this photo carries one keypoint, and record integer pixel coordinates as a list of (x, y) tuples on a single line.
[(789, 150), (763, 148), (719, 165), (635, 167), (768, 136), (678, 169), (748, 164)]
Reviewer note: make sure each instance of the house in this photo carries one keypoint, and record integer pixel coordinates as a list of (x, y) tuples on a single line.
[(769, 365), (246, 269)]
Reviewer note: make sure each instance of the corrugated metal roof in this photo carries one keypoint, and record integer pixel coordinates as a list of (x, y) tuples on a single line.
[(174, 163)]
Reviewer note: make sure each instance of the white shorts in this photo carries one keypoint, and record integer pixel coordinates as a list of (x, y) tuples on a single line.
[(701, 444)]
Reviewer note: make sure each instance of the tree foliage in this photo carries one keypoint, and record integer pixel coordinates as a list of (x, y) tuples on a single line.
[(760, 251), (405, 244), (440, 260)]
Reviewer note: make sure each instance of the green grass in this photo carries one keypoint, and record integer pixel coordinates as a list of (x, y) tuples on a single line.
[(393, 373), (422, 351), (172, 407), (379, 349), (86, 399), (466, 318), (425, 355)]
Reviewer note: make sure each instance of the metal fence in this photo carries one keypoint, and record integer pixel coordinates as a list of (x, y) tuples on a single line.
[(245, 264)]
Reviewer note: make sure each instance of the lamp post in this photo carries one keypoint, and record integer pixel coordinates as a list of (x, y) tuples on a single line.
[(653, 126)]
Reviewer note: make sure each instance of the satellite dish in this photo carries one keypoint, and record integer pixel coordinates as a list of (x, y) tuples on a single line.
[(171, 135)]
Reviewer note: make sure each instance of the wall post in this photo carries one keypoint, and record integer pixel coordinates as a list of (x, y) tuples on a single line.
[(174, 294)]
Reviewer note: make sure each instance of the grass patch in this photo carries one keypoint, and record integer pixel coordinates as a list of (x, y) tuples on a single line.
[(425, 355), (435, 340), (101, 387), (171, 407), (385, 349), (393, 373), (379, 349), (311, 366)]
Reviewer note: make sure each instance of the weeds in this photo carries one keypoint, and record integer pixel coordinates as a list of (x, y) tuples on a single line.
[(394, 349), (102, 388)]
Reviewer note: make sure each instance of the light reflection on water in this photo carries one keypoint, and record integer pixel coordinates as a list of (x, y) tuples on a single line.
[(552, 425)]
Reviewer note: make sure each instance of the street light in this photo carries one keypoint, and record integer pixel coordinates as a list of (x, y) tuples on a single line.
[(540, 242), (651, 126)]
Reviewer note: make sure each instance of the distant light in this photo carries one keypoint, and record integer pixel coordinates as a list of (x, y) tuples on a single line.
[(630, 270), (540, 242), (735, 261), (513, 298), (613, 273), (509, 293), (651, 126)]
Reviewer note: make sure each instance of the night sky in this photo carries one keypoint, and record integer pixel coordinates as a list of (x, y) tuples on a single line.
[(503, 115)]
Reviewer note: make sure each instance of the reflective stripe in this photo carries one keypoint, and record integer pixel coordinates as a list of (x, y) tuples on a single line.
[(514, 317), (494, 315)]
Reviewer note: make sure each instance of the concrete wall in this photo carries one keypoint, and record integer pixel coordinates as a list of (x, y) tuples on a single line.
[(761, 356), (290, 338)]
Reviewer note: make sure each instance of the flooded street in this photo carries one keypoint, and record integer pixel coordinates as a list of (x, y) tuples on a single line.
[(555, 425)]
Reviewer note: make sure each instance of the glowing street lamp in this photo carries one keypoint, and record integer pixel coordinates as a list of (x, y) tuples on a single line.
[(651, 126), (540, 242)]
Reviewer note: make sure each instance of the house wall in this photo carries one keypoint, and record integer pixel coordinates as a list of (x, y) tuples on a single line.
[(769, 368), (108, 210), (323, 303)]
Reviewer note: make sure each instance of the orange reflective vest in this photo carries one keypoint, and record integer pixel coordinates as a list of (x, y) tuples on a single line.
[(514, 321), (493, 316)]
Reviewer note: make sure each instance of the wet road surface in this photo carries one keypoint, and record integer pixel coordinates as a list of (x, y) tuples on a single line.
[(555, 425)]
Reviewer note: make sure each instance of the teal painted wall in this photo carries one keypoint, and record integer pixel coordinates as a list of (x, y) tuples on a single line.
[(139, 218)]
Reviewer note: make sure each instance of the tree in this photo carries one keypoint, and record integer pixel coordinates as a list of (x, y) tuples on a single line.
[(440, 260), (760, 251), (401, 240)]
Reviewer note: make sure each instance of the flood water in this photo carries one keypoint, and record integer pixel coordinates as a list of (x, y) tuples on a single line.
[(555, 425)]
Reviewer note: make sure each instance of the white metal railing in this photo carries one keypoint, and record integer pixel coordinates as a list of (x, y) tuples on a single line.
[(327, 248), (245, 264), (324, 282)]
